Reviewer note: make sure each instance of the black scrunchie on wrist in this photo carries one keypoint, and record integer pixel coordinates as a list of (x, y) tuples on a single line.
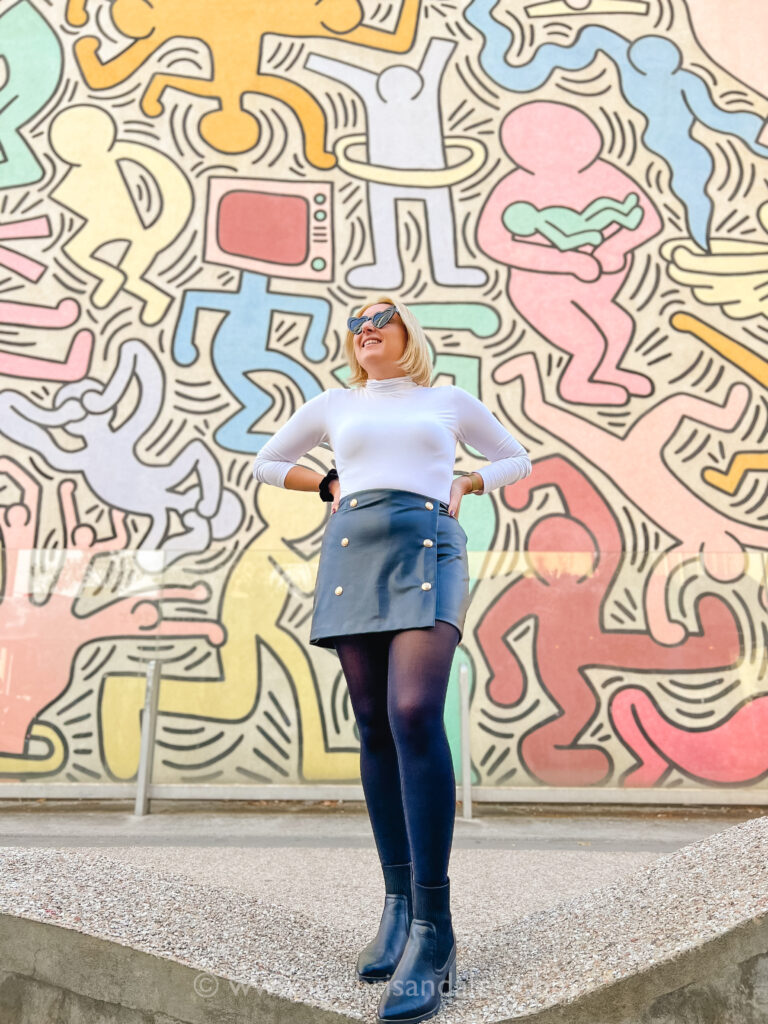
[(325, 491)]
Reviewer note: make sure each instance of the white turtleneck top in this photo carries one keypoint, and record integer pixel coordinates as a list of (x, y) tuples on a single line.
[(397, 434)]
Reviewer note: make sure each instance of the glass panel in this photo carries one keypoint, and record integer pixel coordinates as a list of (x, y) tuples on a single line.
[(583, 672)]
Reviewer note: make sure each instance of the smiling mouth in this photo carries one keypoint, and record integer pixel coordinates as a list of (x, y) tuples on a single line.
[(372, 341)]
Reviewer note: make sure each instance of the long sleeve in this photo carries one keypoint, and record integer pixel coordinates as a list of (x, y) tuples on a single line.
[(307, 428), (478, 427)]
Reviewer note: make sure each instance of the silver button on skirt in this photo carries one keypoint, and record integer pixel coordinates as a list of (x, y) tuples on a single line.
[(389, 560)]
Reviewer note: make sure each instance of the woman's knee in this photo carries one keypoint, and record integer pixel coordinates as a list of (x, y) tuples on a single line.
[(373, 727), (413, 723)]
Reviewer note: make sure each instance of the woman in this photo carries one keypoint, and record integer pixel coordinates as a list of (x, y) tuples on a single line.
[(391, 596)]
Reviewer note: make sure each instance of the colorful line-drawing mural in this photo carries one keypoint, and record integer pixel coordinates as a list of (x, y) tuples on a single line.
[(572, 195)]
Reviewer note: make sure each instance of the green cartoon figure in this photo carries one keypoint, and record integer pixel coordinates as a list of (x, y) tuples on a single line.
[(568, 229)]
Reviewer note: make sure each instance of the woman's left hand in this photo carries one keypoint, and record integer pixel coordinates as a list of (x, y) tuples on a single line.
[(460, 486)]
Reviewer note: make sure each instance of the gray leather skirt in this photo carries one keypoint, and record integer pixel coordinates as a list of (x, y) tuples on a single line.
[(389, 560)]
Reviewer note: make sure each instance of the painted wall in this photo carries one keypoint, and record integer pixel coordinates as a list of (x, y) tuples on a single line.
[(572, 196)]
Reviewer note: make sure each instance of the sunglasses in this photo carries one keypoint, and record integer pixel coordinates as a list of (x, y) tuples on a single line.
[(381, 319)]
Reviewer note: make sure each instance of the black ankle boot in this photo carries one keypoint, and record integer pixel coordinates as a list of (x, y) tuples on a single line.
[(427, 968), (379, 958)]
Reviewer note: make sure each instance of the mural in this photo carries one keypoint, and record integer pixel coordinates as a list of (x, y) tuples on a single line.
[(573, 197)]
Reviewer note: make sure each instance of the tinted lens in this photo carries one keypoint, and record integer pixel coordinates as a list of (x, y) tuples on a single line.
[(355, 323), (382, 319)]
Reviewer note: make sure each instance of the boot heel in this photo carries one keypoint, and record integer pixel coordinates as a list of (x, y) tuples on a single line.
[(448, 984)]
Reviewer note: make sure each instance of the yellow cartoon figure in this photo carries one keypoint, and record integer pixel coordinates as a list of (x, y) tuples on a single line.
[(752, 364), (95, 190), (234, 36), (251, 611), (732, 275), (741, 464)]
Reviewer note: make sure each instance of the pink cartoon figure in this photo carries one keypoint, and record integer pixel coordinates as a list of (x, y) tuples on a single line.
[(639, 470), (731, 753), (562, 192), (574, 557), (74, 367), (39, 640), (24, 314), (25, 266)]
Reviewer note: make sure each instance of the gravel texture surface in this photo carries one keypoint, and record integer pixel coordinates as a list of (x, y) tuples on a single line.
[(532, 929)]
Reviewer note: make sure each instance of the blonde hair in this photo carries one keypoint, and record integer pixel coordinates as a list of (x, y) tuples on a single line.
[(417, 357)]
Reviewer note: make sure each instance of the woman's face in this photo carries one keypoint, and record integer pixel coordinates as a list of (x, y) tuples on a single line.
[(379, 348)]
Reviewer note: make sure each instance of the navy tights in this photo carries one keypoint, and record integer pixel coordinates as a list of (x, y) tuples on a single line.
[(397, 684)]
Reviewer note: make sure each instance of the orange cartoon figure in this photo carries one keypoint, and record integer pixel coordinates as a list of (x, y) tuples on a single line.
[(234, 38)]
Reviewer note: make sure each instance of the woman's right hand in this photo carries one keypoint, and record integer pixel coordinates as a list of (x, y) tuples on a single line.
[(335, 488)]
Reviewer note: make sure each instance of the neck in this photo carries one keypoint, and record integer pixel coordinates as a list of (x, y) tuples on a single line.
[(402, 382)]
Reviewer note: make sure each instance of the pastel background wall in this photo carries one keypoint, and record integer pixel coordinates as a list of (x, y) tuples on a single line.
[(573, 197)]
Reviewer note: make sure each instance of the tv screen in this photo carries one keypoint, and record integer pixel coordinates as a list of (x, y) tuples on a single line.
[(264, 226)]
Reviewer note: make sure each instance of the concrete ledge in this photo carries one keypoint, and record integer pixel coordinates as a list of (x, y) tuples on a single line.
[(54, 975), (86, 939), (724, 980)]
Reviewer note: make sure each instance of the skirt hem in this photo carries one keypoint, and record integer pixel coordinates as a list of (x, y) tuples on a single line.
[(328, 641)]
